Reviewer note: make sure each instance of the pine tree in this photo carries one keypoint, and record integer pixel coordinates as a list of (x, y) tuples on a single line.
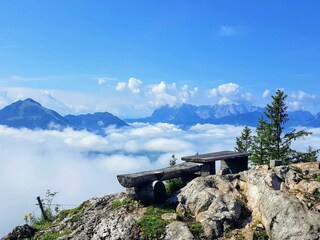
[(277, 116), (271, 142), (260, 147), (244, 142)]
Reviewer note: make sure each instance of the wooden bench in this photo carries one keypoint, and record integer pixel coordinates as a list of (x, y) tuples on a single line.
[(233, 162), (148, 185)]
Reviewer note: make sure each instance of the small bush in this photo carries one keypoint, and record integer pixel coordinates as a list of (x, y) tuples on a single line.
[(318, 177), (151, 225), (196, 229), (120, 203), (51, 236), (260, 234), (71, 212), (317, 194), (172, 185)]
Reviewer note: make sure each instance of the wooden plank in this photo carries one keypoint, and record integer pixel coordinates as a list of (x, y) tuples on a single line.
[(141, 178), (215, 156)]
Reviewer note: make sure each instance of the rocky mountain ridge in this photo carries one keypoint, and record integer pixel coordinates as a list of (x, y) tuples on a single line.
[(188, 115), (30, 114), (261, 203)]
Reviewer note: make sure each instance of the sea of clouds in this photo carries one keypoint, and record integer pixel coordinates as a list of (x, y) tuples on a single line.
[(80, 165)]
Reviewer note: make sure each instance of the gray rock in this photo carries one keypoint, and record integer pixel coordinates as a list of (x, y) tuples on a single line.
[(214, 202), (282, 214), (169, 216), (178, 231)]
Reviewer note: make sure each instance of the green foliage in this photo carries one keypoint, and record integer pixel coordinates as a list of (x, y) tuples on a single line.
[(317, 177), (196, 229), (173, 160), (270, 141), (260, 234), (260, 151), (71, 212), (174, 184), (30, 219), (151, 225), (51, 236), (244, 142), (317, 194), (120, 203)]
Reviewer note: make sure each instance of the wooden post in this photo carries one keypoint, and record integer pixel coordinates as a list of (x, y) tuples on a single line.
[(150, 193), (42, 210)]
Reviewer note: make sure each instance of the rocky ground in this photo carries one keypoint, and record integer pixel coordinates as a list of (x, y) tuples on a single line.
[(261, 203)]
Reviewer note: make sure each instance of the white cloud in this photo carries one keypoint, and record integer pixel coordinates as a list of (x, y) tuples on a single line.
[(133, 85), (159, 95), (266, 93), (121, 86), (227, 31), (101, 81), (300, 100), (170, 94), (294, 105), (300, 95), (229, 93)]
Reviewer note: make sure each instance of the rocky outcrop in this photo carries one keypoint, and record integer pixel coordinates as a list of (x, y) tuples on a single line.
[(273, 198), (261, 203)]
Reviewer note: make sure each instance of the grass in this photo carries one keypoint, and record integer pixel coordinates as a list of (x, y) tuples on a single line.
[(151, 225), (71, 212), (120, 203), (52, 236), (196, 229)]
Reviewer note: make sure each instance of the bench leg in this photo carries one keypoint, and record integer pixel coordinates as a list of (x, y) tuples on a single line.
[(150, 193), (208, 169)]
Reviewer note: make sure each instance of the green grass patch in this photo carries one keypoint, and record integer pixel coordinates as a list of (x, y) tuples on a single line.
[(151, 225), (196, 229), (51, 236), (71, 212), (120, 203)]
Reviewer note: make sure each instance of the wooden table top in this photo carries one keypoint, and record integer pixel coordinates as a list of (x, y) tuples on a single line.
[(214, 156)]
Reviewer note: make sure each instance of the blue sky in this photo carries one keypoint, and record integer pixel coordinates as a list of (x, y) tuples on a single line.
[(130, 57)]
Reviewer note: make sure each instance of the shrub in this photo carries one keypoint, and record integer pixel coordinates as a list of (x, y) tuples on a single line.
[(172, 185), (71, 212), (260, 234), (317, 194), (196, 229), (151, 225), (119, 203), (51, 236)]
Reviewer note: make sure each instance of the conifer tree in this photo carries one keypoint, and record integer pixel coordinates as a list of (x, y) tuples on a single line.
[(260, 147), (271, 141), (244, 142)]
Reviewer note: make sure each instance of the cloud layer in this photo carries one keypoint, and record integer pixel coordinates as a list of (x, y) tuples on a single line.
[(80, 165)]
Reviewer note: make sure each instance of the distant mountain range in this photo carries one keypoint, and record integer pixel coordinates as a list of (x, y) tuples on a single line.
[(30, 114), (188, 115)]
